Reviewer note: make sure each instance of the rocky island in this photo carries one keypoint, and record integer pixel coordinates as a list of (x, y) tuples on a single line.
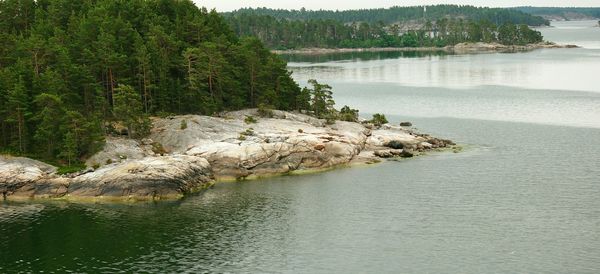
[(184, 154), (467, 47)]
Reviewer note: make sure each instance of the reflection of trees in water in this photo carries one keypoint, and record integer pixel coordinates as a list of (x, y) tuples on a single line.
[(360, 56), (208, 228)]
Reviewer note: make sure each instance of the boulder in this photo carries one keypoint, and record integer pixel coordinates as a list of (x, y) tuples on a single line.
[(395, 144), (148, 178), (406, 154), (406, 124), (388, 153), (16, 172)]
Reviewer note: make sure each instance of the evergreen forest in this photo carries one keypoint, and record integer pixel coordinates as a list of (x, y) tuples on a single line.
[(72, 70)]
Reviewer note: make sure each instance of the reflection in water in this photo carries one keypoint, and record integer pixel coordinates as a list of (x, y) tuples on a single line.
[(551, 69), (360, 56), (582, 33), (521, 198)]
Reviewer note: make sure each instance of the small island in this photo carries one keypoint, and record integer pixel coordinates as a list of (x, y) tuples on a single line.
[(450, 28)]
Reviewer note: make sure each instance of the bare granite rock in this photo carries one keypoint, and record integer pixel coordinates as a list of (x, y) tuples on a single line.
[(119, 149), (278, 145), (209, 148), (149, 178), (16, 172)]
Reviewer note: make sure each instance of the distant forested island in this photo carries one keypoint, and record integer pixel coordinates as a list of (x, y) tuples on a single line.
[(431, 26), (555, 13), (397, 15), (72, 71)]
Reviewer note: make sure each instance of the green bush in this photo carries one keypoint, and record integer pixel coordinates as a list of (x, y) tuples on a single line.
[(158, 148), (265, 111), (250, 119), (183, 124), (349, 115), (70, 169), (330, 118), (248, 132), (378, 119)]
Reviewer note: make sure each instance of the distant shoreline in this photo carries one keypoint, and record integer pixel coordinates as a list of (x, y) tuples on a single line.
[(459, 48)]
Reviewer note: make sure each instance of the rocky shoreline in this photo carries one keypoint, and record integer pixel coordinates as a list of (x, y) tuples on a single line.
[(459, 48), (184, 154)]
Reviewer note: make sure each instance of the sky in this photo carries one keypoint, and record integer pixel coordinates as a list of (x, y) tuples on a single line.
[(228, 5)]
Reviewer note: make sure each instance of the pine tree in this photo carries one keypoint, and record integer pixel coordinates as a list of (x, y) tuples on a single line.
[(18, 112), (129, 110), (47, 133), (69, 149), (322, 99), (88, 63)]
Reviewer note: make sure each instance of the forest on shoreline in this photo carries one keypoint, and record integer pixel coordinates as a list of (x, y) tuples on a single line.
[(563, 13), (431, 26), (399, 15), (72, 72)]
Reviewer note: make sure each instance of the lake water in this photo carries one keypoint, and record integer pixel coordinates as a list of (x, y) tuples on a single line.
[(523, 197)]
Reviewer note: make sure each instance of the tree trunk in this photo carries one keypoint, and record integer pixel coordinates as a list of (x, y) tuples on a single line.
[(21, 125), (210, 82), (112, 86), (252, 80), (36, 66), (145, 83)]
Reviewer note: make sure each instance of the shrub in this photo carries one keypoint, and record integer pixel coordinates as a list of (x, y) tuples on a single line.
[(242, 137), (379, 119), (265, 111), (158, 148), (248, 132), (349, 115), (183, 124), (330, 118), (250, 119), (70, 169)]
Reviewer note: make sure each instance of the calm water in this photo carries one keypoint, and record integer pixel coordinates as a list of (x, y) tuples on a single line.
[(524, 197)]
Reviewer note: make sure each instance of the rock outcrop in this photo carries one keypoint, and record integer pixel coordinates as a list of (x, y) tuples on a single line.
[(161, 177), (497, 47), (174, 161), (470, 47)]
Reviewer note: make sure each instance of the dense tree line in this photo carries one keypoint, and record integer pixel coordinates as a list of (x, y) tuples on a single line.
[(395, 15), (329, 33), (561, 12), (72, 71)]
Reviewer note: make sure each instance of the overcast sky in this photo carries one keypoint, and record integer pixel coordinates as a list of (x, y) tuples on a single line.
[(228, 5)]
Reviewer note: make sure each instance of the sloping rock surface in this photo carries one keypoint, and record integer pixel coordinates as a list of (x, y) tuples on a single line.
[(208, 148)]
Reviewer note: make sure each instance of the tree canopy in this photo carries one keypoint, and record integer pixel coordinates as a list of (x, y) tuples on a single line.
[(395, 15), (72, 70), (328, 33)]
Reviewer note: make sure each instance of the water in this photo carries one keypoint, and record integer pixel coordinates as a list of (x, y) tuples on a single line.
[(522, 198)]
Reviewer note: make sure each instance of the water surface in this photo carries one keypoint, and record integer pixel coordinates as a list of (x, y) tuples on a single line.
[(522, 198)]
